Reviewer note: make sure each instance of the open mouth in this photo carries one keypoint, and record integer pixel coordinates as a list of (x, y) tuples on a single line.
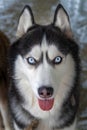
[(46, 104)]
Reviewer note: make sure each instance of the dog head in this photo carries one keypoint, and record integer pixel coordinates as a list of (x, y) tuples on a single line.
[(43, 59)]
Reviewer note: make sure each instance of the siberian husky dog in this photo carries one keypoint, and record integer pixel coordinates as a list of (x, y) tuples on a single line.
[(4, 45), (44, 73)]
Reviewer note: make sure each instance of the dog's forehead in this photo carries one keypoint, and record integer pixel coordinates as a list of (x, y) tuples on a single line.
[(51, 49), (46, 38)]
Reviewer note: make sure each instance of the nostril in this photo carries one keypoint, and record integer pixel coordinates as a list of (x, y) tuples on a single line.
[(48, 93), (45, 92)]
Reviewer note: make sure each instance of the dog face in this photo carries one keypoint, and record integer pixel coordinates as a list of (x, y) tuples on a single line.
[(43, 60)]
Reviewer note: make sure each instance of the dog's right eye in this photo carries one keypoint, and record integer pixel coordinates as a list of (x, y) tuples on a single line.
[(31, 61)]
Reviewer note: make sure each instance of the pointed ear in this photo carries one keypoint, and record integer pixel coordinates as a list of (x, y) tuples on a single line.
[(26, 21), (61, 20)]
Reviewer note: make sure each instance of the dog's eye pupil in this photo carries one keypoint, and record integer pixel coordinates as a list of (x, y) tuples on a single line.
[(58, 60), (31, 60)]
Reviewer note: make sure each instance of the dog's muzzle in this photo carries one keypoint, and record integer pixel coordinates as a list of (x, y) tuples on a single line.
[(46, 99)]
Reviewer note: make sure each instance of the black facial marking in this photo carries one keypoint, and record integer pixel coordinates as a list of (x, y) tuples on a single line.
[(48, 60), (35, 35)]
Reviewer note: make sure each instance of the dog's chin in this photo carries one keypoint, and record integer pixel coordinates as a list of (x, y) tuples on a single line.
[(46, 104)]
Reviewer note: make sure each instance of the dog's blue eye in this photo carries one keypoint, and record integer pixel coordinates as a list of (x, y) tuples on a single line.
[(31, 60), (57, 60)]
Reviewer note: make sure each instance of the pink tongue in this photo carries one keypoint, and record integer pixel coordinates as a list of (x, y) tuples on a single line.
[(46, 104)]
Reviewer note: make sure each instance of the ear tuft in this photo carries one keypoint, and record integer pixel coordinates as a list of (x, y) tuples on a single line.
[(61, 20), (26, 21)]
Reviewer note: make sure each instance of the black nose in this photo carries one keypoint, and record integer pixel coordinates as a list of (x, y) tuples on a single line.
[(45, 92)]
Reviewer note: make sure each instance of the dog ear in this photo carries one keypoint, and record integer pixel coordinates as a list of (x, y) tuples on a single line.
[(26, 21), (61, 20)]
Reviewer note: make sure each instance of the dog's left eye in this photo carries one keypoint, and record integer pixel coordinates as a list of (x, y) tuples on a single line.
[(31, 60), (57, 60)]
